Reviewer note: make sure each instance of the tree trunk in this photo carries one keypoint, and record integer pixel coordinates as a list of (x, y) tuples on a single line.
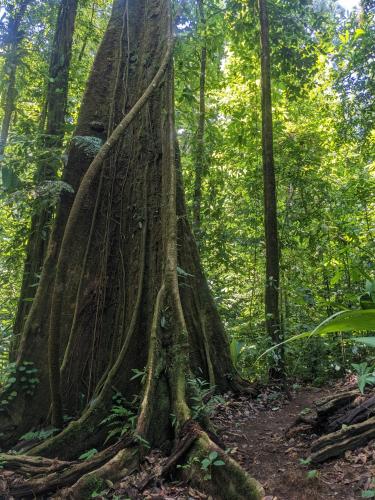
[(56, 102), (199, 147), (270, 205), (14, 39), (122, 284)]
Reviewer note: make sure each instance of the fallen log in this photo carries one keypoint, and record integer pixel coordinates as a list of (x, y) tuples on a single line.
[(348, 438), (319, 418), (358, 414), (330, 405)]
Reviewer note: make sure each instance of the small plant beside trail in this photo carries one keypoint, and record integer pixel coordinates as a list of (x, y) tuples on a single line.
[(122, 418), (209, 462), (203, 399), (206, 464), (365, 375)]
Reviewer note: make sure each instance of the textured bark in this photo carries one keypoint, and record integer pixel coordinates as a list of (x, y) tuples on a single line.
[(56, 102), (57, 473), (200, 162), (270, 204), (117, 262), (122, 284)]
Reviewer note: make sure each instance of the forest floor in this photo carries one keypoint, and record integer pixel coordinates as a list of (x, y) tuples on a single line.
[(259, 434)]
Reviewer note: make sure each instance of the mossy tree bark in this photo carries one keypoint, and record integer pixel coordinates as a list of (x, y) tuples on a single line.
[(56, 102), (122, 284)]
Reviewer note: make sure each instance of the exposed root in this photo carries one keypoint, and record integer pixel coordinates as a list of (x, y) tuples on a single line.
[(123, 463), (77, 480), (189, 433), (227, 482), (77, 437), (64, 474), (31, 465)]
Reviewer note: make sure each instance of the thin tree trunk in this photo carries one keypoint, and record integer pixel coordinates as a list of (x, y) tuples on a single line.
[(56, 102), (14, 39), (270, 205), (200, 162)]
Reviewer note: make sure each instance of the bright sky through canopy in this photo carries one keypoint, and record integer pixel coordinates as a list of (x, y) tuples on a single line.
[(349, 4)]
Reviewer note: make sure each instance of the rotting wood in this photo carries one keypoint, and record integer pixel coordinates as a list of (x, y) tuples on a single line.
[(348, 438)]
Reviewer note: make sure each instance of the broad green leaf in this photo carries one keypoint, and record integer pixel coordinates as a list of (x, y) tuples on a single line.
[(343, 321), (205, 463), (368, 494), (88, 454), (370, 341), (219, 463), (312, 473)]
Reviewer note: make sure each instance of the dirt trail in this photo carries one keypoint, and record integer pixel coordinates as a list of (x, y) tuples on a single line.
[(255, 432)]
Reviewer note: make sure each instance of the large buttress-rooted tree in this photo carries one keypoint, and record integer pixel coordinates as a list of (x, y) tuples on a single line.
[(56, 102), (122, 287)]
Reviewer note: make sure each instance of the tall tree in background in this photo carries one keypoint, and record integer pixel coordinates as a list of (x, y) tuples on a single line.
[(117, 293), (56, 103), (272, 312), (12, 41), (199, 146)]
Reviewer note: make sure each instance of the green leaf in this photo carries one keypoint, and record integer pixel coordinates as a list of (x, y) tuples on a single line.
[(219, 462), (213, 455), (343, 321), (205, 463), (368, 494), (88, 454), (362, 383), (312, 473), (137, 373), (358, 32), (346, 321), (235, 350)]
